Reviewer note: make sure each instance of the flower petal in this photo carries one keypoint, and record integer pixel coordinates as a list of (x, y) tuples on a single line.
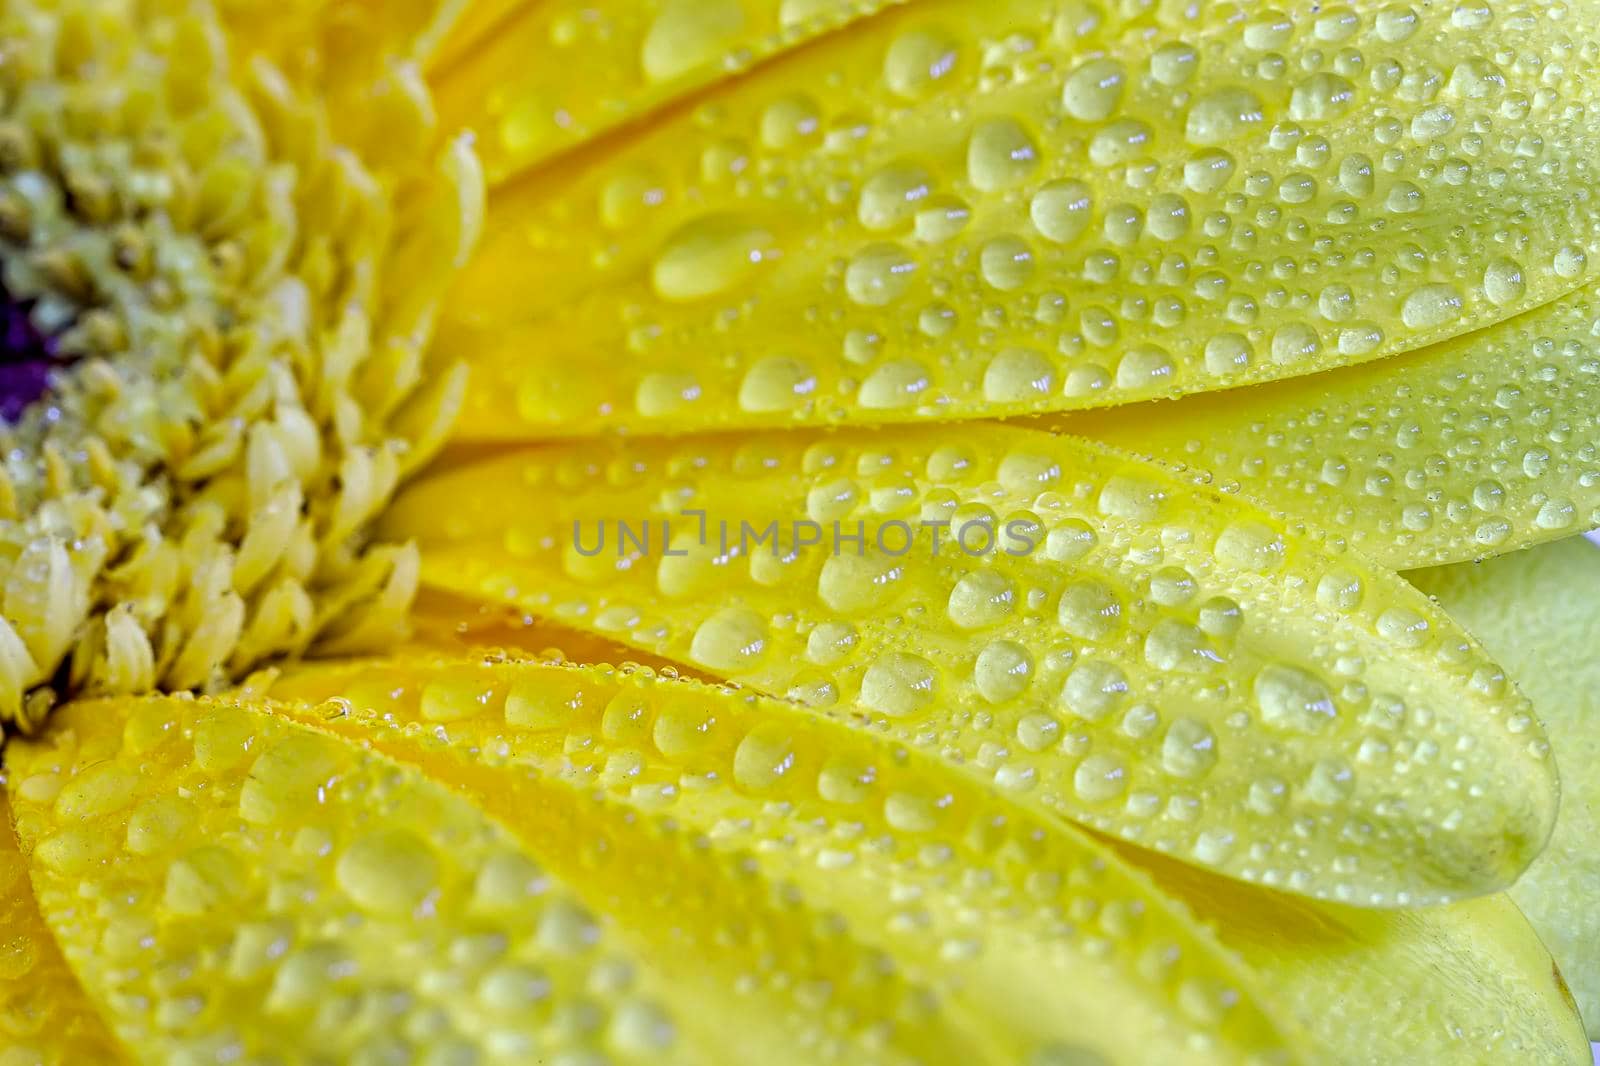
[(960, 209), (925, 870), (44, 1016), (538, 78), (1352, 977), (1474, 447), (834, 813), (1083, 629), (260, 888), (1539, 612)]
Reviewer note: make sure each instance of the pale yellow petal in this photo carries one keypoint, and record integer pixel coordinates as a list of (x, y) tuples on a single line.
[(1539, 613), (1481, 445)]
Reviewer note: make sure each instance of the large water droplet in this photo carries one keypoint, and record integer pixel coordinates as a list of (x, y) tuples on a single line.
[(710, 255), (1223, 116), (688, 34), (1091, 92), (1000, 154), (1432, 306)]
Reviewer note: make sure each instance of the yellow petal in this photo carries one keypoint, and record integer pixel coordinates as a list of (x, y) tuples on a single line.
[(957, 209), (537, 78), (322, 897), (1539, 613), (1481, 445), (1467, 982), (1085, 630), (45, 1018), (226, 879), (808, 795)]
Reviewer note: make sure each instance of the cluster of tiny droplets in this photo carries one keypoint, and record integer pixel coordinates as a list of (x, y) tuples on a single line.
[(1199, 678), (1089, 209), (1485, 444), (746, 773), (635, 57)]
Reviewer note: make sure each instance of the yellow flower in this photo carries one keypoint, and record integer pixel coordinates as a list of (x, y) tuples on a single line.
[(879, 730)]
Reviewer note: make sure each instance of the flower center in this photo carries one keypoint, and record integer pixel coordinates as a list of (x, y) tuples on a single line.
[(27, 356), (230, 312)]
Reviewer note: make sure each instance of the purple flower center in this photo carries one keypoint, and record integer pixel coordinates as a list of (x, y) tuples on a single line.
[(27, 360)]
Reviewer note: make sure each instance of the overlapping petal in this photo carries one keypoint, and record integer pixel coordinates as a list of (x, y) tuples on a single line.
[(960, 209), (1081, 629), (326, 898), (635, 58), (897, 847), (1539, 613), (45, 1018), (1481, 445)]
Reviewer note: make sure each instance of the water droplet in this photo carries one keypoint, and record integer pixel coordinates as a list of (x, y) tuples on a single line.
[(389, 871), (1251, 546), (1295, 342), (1100, 778), (1093, 689), (732, 640), (1069, 541), (1432, 306), (942, 219), (900, 383), (1403, 627), (1092, 91), (1089, 610), (1121, 142), (1000, 154), (1268, 31), (1189, 750), (1018, 375), (1178, 646), (1321, 98), (851, 582), (879, 274), (1396, 23), (1174, 64), (1061, 210), (688, 34), (919, 61), (981, 599), (1003, 671), (790, 122), (1223, 116), (899, 684), (1293, 700), (776, 383), (1145, 367), (1227, 354), (1570, 262), (890, 197), (763, 757), (1504, 282), (1432, 122), (710, 255), (1006, 263), (1340, 590), (662, 394)]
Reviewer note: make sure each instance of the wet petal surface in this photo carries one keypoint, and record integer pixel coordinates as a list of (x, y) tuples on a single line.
[(1539, 613), (1479, 446), (834, 813), (962, 209), (1083, 630)]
